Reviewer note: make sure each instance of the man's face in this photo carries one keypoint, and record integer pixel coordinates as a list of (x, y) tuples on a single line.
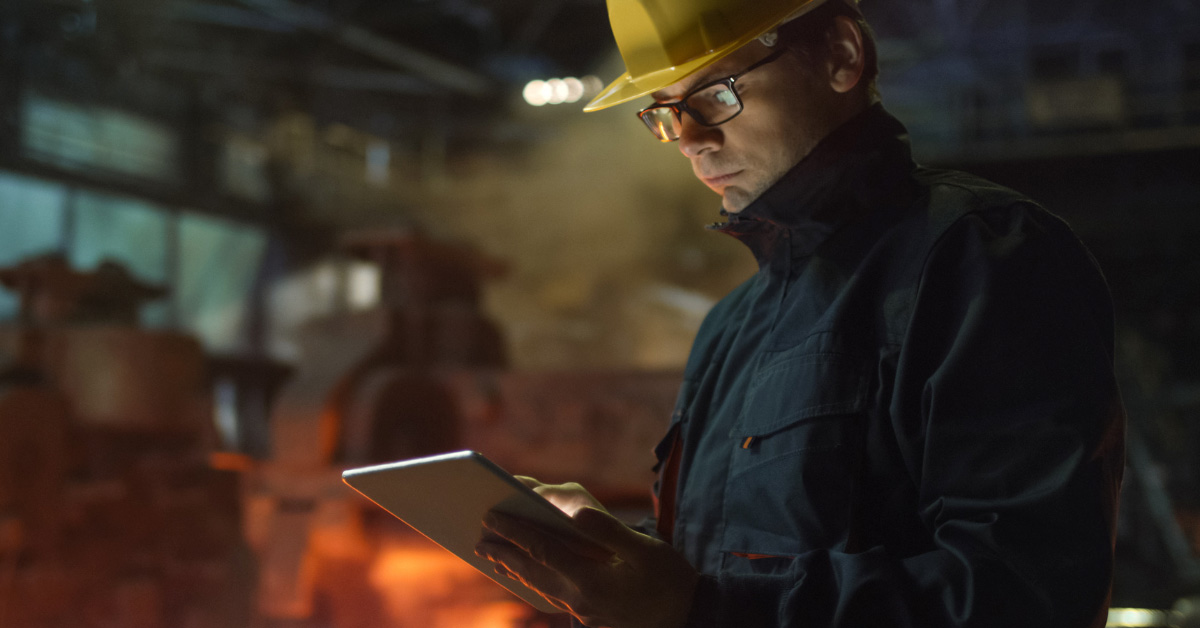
[(788, 109)]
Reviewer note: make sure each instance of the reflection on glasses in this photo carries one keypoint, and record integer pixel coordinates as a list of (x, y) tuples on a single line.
[(710, 104)]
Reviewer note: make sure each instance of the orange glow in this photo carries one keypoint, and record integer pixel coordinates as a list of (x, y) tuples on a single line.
[(662, 132), (230, 461), (329, 430), (424, 585)]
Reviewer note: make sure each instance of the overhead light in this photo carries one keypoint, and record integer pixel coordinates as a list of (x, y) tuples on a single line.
[(574, 89), (592, 85), (535, 93), (557, 91)]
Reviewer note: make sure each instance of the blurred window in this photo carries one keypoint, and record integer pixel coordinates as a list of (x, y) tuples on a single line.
[(128, 231), (209, 264), (96, 139), (31, 223), (218, 263)]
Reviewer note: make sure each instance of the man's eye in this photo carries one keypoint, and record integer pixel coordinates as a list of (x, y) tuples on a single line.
[(726, 97), (716, 96)]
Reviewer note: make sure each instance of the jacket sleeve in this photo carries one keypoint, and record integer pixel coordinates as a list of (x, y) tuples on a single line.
[(1007, 415)]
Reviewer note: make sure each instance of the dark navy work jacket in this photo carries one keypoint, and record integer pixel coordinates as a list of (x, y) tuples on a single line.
[(908, 417)]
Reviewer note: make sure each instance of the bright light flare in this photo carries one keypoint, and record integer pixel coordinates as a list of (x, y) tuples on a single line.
[(362, 285), (557, 91), (574, 89), (1138, 618), (592, 85), (535, 93)]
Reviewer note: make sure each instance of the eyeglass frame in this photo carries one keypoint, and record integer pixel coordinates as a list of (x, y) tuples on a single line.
[(679, 107)]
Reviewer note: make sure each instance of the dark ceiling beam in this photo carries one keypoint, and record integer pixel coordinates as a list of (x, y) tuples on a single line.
[(323, 75), (437, 71), (222, 15)]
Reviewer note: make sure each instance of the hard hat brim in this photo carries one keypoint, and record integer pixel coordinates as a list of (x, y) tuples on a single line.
[(627, 88)]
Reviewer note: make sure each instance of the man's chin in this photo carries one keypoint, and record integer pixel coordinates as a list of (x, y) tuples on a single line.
[(734, 200)]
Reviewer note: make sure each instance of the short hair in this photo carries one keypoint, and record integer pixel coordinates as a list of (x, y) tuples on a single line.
[(807, 35)]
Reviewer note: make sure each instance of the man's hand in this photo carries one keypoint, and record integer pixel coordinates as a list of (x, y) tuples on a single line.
[(569, 497), (644, 583)]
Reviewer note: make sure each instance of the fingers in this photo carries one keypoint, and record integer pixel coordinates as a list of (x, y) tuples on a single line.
[(649, 584), (569, 497), (562, 590), (611, 532), (501, 526), (570, 559), (509, 562), (542, 547), (528, 481)]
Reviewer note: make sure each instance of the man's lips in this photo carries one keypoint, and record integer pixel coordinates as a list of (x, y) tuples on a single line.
[(720, 180)]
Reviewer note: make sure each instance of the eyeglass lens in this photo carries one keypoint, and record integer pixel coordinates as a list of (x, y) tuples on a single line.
[(710, 106), (663, 123), (716, 103)]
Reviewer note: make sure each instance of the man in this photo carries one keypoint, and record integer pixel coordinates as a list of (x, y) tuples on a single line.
[(907, 417)]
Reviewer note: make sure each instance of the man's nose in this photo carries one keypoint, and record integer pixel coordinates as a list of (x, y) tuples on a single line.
[(695, 138)]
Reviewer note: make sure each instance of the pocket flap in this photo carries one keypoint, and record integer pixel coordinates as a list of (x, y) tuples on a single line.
[(791, 389)]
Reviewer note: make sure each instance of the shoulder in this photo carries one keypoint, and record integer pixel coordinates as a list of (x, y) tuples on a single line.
[(983, 239), (965, 238), (950, 196), (963, 210), (953, 221)]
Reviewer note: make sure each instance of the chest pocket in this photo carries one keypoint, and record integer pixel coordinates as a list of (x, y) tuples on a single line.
[(796, 448)]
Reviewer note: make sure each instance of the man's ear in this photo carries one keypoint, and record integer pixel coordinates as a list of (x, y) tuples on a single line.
[(846, 56)]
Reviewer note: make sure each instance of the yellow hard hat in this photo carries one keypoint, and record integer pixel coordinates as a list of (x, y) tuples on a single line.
[(664, 41)]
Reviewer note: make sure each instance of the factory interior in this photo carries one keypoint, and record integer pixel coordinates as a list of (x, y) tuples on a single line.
[(248, 244)]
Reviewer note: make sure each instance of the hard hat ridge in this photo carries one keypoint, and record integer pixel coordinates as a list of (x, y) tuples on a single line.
[(652, 36), (664, 41)]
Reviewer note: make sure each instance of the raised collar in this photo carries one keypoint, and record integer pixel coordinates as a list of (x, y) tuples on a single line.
[(851, 172)]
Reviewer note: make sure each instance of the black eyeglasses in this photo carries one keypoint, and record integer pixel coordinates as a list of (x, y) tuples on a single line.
[(710, 104)]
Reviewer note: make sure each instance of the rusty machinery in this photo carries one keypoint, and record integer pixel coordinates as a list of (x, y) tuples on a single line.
[(110, 514), (424, 372)]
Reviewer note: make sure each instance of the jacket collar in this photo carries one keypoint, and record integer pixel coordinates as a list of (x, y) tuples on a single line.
[(851, 172)]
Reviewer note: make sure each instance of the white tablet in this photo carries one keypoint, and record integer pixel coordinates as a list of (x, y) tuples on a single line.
[(446, 497)]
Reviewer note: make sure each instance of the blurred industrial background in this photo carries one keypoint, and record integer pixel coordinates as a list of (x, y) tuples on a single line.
[(248, 243)]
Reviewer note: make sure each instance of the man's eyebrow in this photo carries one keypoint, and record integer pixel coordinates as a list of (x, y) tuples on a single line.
[(696, 79)]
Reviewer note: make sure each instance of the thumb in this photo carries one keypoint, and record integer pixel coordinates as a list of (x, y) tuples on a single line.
[(528, 481), (609, 531)]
